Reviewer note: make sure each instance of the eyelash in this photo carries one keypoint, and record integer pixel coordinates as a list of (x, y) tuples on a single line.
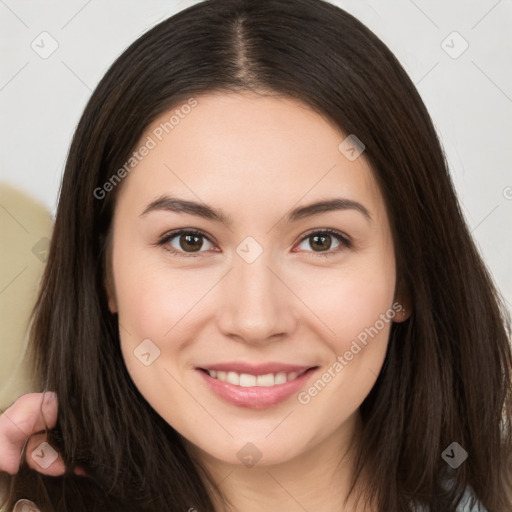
[(345, 242)]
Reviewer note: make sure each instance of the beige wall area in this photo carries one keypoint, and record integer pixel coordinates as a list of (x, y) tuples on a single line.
[(25, 230)]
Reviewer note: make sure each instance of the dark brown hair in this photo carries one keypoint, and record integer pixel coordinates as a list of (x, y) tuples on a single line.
[(447, 373)]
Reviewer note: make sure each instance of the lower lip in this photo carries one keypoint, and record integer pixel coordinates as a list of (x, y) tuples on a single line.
[(256, 397)]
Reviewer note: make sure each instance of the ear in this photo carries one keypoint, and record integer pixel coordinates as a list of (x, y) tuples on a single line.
[(111, 297), (108, 282), (402, 312), (402, 305)]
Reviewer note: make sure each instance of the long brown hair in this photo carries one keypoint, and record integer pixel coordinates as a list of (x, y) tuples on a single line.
[(447, 376)]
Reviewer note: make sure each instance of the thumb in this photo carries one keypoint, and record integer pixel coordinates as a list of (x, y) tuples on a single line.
[(30, 413), (24, 423)]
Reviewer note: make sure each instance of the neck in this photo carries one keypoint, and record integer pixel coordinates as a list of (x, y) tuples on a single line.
[(318, 479)]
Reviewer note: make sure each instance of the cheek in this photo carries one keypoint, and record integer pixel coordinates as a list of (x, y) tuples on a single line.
[(351, 299), (153, 304), (152, 298), (357, 308)]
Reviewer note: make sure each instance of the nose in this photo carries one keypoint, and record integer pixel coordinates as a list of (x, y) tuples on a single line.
[(256, 306)]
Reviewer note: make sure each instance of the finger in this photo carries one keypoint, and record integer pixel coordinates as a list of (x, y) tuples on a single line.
[(26, 416), (30, 414), (33, 412), (50, 411), (25, 506), (80, 471), (43, 457)]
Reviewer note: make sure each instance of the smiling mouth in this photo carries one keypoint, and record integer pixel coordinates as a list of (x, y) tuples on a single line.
[(247, 380), (256, 386)]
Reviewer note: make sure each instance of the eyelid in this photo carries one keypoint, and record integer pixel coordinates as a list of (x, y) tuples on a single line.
[(165, 238), (344, 240)]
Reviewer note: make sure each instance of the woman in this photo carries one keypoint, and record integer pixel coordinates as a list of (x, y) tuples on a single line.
[(261, 293)]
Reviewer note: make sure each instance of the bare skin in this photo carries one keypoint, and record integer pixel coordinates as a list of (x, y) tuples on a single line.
[(22, 431), (255, 159)]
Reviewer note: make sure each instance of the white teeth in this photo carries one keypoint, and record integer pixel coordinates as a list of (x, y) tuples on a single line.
[(280, 378), (233, 378), (246, 380), (265, 380)]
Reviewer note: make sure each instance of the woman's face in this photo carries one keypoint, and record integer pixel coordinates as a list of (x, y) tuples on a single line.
[(260, 292)]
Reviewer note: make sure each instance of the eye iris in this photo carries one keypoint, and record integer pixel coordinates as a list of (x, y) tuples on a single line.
[(324, 238), (192, 242)]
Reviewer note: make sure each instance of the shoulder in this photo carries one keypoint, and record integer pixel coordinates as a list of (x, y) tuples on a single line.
[(470, 504)]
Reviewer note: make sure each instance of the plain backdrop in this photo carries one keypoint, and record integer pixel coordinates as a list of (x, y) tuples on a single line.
[(458, 53)]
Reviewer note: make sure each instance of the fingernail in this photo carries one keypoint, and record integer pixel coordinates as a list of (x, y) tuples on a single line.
[(25, 506), (49, 396), (80, 471)]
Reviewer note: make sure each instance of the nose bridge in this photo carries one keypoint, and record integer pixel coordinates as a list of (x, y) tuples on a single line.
[(255, 304)]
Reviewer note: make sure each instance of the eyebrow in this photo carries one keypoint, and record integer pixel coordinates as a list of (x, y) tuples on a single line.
[(173, 204)]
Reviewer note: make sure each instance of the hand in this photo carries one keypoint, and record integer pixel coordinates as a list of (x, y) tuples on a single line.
[(31, 413)]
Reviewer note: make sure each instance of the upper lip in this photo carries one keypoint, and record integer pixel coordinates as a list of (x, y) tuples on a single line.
[(256, 369)]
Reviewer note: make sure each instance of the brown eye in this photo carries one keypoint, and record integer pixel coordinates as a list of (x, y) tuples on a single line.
[(322, 242), (185, 243), (190, 242)]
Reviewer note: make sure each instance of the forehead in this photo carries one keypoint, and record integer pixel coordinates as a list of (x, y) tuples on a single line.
[(249, 151)]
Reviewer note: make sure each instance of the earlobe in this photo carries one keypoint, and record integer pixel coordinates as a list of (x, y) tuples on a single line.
[(109, 290), (111, 303), (402, 313), (403, 303), (108, 281)]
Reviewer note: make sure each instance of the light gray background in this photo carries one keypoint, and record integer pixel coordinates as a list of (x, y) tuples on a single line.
[(469, 95)]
